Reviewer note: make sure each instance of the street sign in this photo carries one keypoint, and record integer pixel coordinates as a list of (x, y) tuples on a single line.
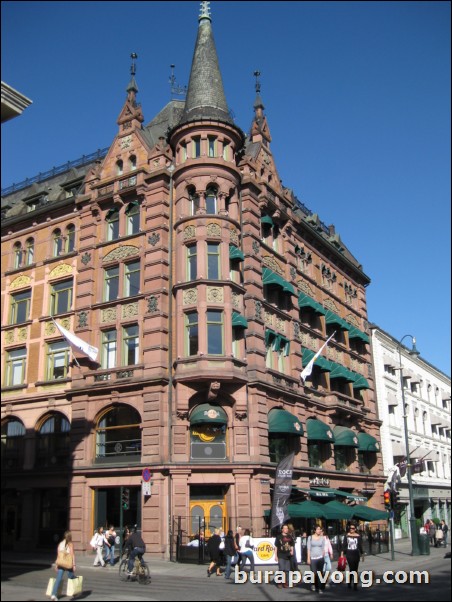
[(146, 488), (147, 474)]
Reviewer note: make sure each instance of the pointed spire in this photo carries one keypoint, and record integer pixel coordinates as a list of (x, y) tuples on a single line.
[(258, 102), (259, 128), (131, 115), (132, 88), (205, 96)]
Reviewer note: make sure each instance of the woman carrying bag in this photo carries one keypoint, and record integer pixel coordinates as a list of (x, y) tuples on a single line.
[(65, 562)]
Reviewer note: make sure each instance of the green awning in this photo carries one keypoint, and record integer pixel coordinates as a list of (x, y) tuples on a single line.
[(235, 253), (360, 382), (317, 494), (321, 362), (207, 413), (367, 443), (270, 335), (369, 514), (335, 320), (307, 509), (343, 494), (355, 333), (345, 437), (307, 301), (281, 421), (266, 219), (269, 277), (337, 510), (338, 371), (318, 431), (239, 321)]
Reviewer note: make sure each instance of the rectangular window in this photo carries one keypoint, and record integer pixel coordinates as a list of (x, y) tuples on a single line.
[(133, 219), (57, 360), (132, 279), (213, 261), (16, 361), (196, 147), (130, 343), (191, 333), (113, 224), (183, 148), (20, 307), (111, 283), (211, 147), (226, 151), (61, 297), (192, 263), (215, 332), (109, 346), (237, 342)]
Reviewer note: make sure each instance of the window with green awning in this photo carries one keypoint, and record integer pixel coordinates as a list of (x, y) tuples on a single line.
[(345, 437), (318, 431), (266, 220), (281, 421), (360, 382), (307, 301), (321, 362), (355, 333), (270, 277), (235, 254), (208, 413), (333, 319), (338, 371), (367, 443), (239, 321)]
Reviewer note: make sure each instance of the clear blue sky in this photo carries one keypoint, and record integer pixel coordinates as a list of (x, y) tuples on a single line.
[(357, 96)]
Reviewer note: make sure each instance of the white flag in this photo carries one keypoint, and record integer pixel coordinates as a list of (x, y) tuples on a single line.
[(308, 369), (79, 344)]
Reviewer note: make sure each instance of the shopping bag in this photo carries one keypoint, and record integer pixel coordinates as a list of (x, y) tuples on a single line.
[(74, 586), (341, 563), (50, 587)]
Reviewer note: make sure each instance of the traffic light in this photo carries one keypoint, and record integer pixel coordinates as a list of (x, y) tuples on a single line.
[(125, 498), (387, 499), (395, 498)]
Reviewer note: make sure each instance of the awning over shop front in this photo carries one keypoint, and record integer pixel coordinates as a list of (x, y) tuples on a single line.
[(314, 493), (367, 443), (307, 509), (369, 514), (208, 413), (338, 511), (269, 277), (342, 494), (318, 430), (345, 437), (307, 301), (281, 421)]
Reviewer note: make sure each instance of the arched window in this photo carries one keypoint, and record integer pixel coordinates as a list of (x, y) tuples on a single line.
[(132, 162), (53, 441), (29, 251), (133, 218), (13, 437), (112, 224), (211, 200), (57, 243), (18, 255), (119, 167), (70, 238), (194, 202), (118, 435)]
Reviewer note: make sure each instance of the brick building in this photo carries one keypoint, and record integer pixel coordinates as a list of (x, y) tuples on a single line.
[(206, 286)]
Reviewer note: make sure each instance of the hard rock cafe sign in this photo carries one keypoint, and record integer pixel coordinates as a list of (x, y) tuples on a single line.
[(319, 482)]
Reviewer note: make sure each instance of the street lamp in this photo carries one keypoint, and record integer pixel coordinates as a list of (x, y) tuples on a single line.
[(413, 528)]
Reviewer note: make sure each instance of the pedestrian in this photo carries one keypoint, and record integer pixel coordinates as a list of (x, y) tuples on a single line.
[(64, 547), (284, 550), (445, 530), (99, 541), (136, 546), (230, 550), (238, 535), (432, 532), (246, 550), (316, 557), (304, 547), (213, 547), (125, 535), (293, 558), (352, 549), (328, 556), (110, 537)]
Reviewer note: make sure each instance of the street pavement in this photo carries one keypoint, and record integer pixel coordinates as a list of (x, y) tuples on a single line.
[(25, 577)]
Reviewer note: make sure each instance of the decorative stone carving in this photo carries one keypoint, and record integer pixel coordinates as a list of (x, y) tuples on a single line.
[(256, 247), (153, 239), (86, 258), (305, 288), (213, 230), (280, 324), (330, 304), (61, 270), (236, 300), (268, 319), (130, 310), (182, 415), (109, 315), (190, 297), (49, 329), (215, 294), (234, 237), (82, 319), (22, 334), (241, 415), (121, 252), (189, 232), (10, 336), (257, 310), (296, 329), (20, 281), (352, 319), (293, 273), (270, 262), (152, 304)]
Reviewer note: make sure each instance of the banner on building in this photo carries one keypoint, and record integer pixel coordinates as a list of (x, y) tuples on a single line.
[(77, 343), (282, 491)]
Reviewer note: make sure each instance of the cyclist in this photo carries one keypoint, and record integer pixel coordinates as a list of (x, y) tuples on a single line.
[(136, 546)]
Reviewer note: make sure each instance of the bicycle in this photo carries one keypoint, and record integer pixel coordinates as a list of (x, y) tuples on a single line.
[(140, 572)]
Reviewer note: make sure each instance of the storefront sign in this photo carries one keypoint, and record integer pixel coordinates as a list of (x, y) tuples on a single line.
[(319, 482)]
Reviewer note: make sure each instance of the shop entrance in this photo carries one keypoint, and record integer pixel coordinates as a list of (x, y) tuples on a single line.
[(107, 508), (208, 510)]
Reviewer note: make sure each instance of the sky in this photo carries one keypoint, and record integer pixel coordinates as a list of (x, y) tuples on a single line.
[(357, 97)]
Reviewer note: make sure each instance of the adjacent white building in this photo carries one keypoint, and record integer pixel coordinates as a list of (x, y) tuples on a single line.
[(427, 406)]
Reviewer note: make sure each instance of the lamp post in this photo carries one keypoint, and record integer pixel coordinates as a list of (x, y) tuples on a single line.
[(412, 519)]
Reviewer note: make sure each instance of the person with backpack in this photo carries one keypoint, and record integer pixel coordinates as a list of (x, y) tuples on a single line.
[(110, 537)]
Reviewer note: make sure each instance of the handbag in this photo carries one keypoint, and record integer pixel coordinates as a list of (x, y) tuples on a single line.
[(341, 563), (74, 586), (93, 542), (50, 587), (64, 560)]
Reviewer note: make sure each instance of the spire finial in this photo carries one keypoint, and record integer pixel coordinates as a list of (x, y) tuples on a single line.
[(132, 88), (133, 56), (176, 90), (204, 12), (258, 83)]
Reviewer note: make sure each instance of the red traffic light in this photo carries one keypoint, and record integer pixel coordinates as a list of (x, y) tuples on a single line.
[(387, 499)]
